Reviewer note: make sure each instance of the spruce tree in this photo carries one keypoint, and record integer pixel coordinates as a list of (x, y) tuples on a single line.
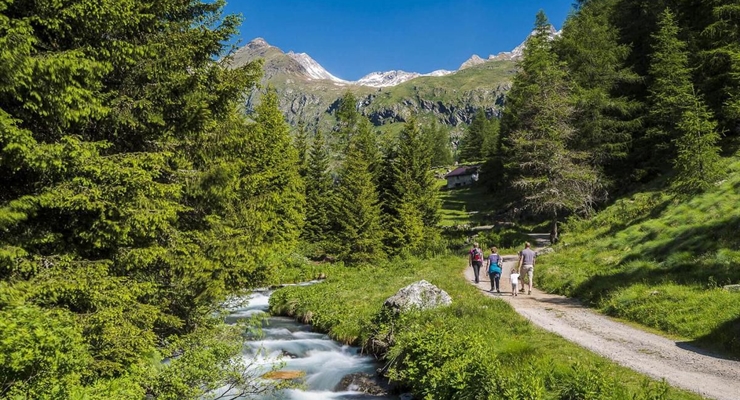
[(721, 60), (126, 175), (358, 235), (550, 177), (697, 161), (348, 119), (319, 186), (412, 203), (300, 142), (277, 187), (605, 118), (437, 140), (473, 143), (670, 92)]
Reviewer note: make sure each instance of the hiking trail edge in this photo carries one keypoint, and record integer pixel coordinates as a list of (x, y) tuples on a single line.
[(685, 367)]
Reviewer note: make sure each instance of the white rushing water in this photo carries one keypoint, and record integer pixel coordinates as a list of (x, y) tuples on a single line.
[(324, 361)]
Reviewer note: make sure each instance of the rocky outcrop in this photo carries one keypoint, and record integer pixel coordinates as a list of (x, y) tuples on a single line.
[(421, 295)]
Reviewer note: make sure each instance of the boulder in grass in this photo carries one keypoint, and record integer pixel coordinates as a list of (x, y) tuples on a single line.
[(421, 295), (732, 288)]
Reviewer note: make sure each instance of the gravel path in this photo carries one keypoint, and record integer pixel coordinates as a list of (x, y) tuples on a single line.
[(656, 356)]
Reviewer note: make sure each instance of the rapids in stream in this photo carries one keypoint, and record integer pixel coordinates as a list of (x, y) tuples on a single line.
[(324, 361)]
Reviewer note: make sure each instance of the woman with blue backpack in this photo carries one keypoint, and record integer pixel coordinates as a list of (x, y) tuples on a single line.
[(495, 262)]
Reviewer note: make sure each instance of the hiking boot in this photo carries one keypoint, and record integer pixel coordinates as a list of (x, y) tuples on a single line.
[(529, 292)]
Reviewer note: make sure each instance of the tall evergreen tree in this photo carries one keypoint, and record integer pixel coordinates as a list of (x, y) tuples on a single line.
[(437, 140), (124, 163), (348, 119), (318, 192), (412, 204), (697, 160), (670, 93), (721, 61), (605, 118), (356, 211), (477, 139), (365, 140), (278, 185), (300, 142), (550, 176)]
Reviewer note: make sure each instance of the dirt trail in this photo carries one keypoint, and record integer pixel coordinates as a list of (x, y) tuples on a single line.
[(656, 356)]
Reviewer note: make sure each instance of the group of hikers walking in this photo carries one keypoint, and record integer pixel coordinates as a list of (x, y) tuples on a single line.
[(494, 263)]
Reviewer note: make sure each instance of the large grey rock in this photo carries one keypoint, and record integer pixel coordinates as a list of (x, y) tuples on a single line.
[(363, 382), (421, 295), (732, 288)]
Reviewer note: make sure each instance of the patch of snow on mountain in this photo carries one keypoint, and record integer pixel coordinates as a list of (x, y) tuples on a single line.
[(439, 72), (313, 69), (385, 79), (393, 78)]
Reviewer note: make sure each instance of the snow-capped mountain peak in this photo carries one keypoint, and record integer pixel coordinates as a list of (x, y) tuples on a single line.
[(313, 69)]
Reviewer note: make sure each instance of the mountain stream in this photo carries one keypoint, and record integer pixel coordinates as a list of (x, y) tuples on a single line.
[(324, 361)]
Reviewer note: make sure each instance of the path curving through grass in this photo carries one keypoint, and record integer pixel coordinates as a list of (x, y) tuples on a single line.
[(681, 365)]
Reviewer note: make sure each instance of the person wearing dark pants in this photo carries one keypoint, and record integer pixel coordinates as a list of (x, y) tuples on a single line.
[(475, 260), (495, 262)]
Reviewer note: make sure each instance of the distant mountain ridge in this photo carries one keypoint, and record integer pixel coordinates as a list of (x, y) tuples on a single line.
[(309, 93), (313, 70)]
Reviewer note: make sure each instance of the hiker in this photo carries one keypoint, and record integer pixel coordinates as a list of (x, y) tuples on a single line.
[(495, 262), (475, 260), (514, 278), (526, 265)]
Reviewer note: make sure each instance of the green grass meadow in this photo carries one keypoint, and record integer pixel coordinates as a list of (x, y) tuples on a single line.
[(660, 261), (477, 348)]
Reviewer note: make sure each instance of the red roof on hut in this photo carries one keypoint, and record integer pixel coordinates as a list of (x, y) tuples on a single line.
[(460, 171)]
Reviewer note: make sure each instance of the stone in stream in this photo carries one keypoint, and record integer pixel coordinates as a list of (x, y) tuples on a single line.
[(362, 382), (421, 295), (284, 375)]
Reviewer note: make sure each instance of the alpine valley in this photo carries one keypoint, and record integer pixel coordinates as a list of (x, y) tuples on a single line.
[(309, 93)]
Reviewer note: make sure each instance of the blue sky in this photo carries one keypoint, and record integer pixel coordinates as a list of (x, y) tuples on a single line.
[(352, 38)]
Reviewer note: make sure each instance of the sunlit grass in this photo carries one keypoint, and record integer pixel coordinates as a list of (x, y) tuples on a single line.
[(661, 261), (443, 352)]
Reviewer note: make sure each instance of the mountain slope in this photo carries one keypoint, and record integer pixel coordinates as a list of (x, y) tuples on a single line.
[(310, 94), (659, 260)]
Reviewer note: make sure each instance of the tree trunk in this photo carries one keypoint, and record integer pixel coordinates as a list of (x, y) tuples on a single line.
[(554, 230)]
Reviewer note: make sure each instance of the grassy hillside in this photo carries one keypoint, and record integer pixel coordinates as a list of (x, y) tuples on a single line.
[(478, 348), (660, 261)]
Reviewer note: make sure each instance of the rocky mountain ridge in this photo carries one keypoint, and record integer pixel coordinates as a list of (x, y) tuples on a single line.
[(309, 93)]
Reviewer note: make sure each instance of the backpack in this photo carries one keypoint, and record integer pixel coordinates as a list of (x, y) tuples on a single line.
[(477, 255)]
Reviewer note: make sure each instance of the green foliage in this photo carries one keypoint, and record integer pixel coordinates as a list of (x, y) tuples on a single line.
[(503, 238), (453, 352), (697, 161), (136, 195), (596, 62), (355, 211), (319, 187), (670, 90), (658, 261), (550, 174), (479, 138), (437, 140), (411, 204)]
